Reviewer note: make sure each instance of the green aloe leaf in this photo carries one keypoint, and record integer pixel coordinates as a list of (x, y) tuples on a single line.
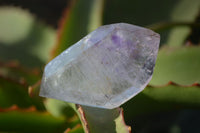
[(63, 109), (26, 40), (15, 119), (176, 94), (58, 108), (96, 120), (15, 92), (185, 11), (180, 65), (173, 83), (159, 98)]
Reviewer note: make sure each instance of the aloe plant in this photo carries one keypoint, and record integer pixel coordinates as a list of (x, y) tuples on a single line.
[(28, 44)]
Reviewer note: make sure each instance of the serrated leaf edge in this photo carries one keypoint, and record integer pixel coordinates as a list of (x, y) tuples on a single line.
[(83, 118), (17, 66), (174, 84), (22, 82), (16, 108)]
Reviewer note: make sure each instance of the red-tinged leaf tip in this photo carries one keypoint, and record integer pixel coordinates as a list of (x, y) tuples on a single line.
[(16, 108), (33, 87), (188, 43), (121, 112), (22, 80), (30, 91), (62, 23), (69, 129)]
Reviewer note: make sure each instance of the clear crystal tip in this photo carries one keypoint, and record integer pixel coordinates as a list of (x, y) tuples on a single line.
[(104, 69)]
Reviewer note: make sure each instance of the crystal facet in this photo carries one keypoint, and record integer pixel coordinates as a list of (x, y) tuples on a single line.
[(104, 69)]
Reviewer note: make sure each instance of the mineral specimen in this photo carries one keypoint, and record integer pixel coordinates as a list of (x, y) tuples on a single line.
[(104, 69)]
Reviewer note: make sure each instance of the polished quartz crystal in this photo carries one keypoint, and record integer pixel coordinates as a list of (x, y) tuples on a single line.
[(104, 69)]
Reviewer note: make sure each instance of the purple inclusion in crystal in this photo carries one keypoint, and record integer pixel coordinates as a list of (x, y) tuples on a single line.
[(117, 40), (124, 44), (104, 69)]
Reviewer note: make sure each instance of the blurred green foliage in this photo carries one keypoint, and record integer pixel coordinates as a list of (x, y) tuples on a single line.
[(169, 104)]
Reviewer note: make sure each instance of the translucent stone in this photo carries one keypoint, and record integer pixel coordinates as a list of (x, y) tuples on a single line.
[(104, 69)]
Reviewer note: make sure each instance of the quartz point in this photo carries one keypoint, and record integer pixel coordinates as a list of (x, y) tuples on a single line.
[(104, 69)]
